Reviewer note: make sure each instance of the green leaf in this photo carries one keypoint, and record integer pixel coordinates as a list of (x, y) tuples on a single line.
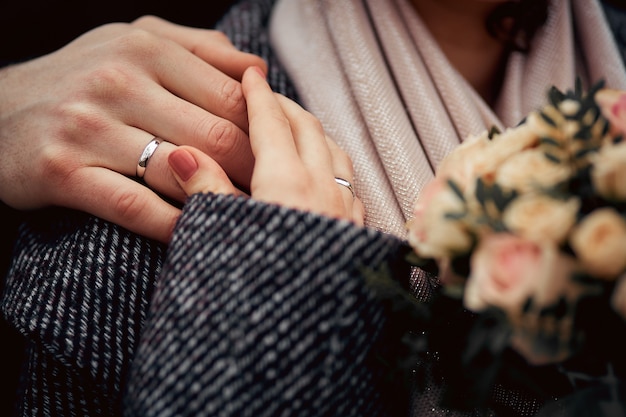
[(494, 131), (547, 119), (583, 152), (555, 96), (482, 193), (578, 87), (584, 133), (552, 157), (549, 141), (502, 198), (455, 216), (456, 189)]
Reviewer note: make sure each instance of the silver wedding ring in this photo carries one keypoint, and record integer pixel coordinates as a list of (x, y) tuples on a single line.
[(146, 155), (346, 184)]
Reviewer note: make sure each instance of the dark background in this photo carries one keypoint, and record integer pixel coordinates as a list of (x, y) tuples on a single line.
[(33, 28)]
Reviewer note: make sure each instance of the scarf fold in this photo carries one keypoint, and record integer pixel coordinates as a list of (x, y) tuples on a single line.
[(385, 92)]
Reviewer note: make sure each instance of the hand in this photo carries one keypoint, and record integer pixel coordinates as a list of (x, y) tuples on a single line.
[(296, 163), (74, 123)]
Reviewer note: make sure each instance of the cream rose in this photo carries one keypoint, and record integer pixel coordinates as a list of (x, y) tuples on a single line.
[(609, 171), (479, 156), (529, 171), (599, 242), (506, 270), (613, 106), (539, 217), (544, 129), (459, 164), (431, 233)]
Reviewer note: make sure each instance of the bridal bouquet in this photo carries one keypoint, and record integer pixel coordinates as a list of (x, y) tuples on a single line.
[(526, 231)]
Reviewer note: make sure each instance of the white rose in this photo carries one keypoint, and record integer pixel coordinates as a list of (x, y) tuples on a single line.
[(609, 170), (479, 156), (613, 106), (431, 233), (539, 217), (529, 171), (599, 242), (459, 165)]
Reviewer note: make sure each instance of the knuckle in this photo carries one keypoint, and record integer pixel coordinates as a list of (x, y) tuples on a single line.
[(147, 21), (138, 45), (278, 120), (79, 121), (344, 159), (110, 82), (313, 122), (219, 36), (222, 136), (233, 101), (127, 205), (57, 166)]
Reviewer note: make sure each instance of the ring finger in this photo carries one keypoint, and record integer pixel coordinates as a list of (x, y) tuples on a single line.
[(157, 110), (122, 155)]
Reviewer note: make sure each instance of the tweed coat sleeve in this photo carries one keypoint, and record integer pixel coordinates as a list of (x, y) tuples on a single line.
[(261, 311), (77, 290)]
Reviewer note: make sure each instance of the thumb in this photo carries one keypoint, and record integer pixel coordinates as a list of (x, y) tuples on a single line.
[(196, 172)]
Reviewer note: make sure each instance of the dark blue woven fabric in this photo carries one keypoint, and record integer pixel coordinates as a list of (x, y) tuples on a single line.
[(259, 322)]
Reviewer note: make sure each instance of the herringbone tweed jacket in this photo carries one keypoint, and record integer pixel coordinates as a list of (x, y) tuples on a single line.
[(253, 310)]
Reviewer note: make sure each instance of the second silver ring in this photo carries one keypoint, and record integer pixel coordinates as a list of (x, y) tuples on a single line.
[(346, 184)]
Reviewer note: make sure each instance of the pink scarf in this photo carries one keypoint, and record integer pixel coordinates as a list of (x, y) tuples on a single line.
[(372, 73)]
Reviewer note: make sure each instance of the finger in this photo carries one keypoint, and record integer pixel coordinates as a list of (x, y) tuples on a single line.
[(120, 149), (280, 174), (271, 138), (343, 168), (197, 173), (320, 153), (212, 46), (132, 143), (190, 78), (120, 200), (218, 138), (309, 137), (358, 212), (164, 115)]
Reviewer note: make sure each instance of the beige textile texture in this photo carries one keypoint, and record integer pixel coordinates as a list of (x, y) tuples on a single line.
[(382, 88)]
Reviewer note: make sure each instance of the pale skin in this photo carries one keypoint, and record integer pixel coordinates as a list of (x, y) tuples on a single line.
[(74, 123), (296, 163), (472, 50)]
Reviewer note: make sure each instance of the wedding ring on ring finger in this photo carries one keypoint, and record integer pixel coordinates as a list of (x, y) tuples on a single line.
[(147, 153), (347, 184)]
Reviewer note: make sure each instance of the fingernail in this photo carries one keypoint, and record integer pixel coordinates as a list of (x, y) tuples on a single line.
[(259, 71), (183, 163)]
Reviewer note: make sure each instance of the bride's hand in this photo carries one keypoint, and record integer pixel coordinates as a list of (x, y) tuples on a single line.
[(296, 164)]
